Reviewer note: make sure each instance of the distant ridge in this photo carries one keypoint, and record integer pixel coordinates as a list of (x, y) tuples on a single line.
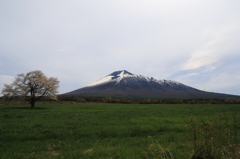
[(123, 84)]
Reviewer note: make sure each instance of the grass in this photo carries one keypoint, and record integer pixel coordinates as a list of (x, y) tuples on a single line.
[(99, 130)]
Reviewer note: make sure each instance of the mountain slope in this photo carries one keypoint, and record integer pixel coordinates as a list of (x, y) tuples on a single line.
[(123, 84)]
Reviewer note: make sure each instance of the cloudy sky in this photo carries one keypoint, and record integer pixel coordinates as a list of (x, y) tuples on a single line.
[(195, 42)]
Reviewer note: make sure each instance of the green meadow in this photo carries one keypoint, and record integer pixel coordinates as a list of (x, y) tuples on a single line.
[(118, 131)]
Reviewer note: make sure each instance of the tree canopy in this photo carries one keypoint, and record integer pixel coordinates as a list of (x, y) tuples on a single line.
[(31, 87)]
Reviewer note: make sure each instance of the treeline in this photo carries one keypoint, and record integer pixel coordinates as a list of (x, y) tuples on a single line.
[(81, 99), (16, 98), (148, 101)]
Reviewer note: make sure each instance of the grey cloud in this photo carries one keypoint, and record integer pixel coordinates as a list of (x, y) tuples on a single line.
[(81, 41)]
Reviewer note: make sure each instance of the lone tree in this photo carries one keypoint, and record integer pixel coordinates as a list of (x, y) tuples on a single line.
[(31, 87)]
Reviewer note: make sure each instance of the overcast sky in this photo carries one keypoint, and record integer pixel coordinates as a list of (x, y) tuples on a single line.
[(194, 42)]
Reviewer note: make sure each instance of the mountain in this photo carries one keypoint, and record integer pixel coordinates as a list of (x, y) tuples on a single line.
[(123, 84)]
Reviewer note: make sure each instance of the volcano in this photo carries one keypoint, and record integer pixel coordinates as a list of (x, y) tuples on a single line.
[(123, 84)]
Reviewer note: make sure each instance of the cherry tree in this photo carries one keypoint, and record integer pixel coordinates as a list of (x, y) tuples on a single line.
[(31, 87)]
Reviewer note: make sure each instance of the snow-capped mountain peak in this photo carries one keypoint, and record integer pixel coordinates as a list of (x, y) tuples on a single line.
[(126, 78), (122, 72), (123, 84), (115, 76)]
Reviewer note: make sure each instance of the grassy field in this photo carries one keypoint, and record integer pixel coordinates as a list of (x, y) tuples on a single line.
[(99, 130)]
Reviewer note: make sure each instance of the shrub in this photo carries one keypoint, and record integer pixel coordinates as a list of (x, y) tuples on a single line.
[(215, 139)]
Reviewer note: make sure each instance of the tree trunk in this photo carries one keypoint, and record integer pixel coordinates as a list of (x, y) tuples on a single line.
[(32, 99), (32, 104)]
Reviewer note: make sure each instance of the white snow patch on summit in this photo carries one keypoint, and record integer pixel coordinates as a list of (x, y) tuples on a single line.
[(121, 76), (101, 81)]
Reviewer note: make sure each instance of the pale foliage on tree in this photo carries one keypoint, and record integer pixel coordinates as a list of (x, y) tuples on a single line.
[(32, 86)]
